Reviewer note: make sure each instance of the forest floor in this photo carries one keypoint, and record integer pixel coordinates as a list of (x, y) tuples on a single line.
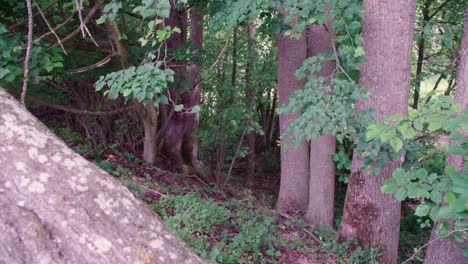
[(238, 224)]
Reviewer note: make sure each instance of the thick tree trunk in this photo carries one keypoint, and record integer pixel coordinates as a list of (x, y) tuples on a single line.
[(449, 251), (250, 94), (322, 167), (56, 207), (294, 187), (369, 215)]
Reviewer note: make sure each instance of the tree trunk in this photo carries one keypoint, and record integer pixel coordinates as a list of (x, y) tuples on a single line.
[(196, 37), (322, 167), (147, 113), (56, 207), (250, 94), (449, 251), (369, 215), (294, 187), (178, 122), (421, 47), (149, 116)]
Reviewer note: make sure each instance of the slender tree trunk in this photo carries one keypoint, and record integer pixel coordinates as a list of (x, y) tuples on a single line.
[(250, 94), (149, 116), (177, 123), (196, 37), (322, 167), (421, 47), (369, 215), (147, 113), (294, 187), (449, 251)]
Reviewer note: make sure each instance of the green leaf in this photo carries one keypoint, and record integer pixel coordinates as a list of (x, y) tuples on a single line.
[(399, 173), (434, 125), (449, 197), (195, 109), (422, 210), (126, 92), (436, 196), (447, 212), (102, 19), (456, 150), (400, 194), (396, 144), (179, 107), (163, 99), (456, 108), (389, 186)]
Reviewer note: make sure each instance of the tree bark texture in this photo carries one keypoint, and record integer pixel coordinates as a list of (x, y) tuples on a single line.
[(294, 187), (196, 37), (320, 210), (250, 97), (442, 250), (369, 215), (56, 207)]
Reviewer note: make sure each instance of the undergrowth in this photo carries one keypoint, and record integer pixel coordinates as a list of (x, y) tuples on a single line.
[(237, 228)]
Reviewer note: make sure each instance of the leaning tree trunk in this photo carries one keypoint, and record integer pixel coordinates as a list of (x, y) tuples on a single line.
[(294, 187), (322, 167), (369, 215), (56, 207), (449, 251)]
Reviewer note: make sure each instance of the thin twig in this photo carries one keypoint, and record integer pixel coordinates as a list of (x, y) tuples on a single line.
[(75, 110), (51, 29), (338, 65), (28, 52), (432, 241), (91, 12), (93, 66), (185, 213), (234, 159), (220, 54), (55, 28), (285, 215)]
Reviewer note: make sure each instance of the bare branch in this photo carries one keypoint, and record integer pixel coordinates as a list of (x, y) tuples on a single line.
[(93, 66), (28, 52), (51, 29), (432, 241)]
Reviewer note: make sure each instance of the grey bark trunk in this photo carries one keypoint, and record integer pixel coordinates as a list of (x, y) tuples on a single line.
[(369, 215), (56, 207), (322, 167), (449, 251), (294, 187)]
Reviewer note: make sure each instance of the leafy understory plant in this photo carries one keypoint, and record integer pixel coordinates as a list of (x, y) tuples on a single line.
[(443, 195)]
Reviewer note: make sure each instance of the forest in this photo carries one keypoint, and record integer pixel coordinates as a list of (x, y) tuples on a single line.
[(234, 131)]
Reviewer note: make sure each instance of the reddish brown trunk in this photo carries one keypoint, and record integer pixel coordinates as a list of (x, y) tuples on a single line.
[(369, 215), (294, 187), (250, 94), (449, 251), (177, 123), (322, 168), (196, 37)]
